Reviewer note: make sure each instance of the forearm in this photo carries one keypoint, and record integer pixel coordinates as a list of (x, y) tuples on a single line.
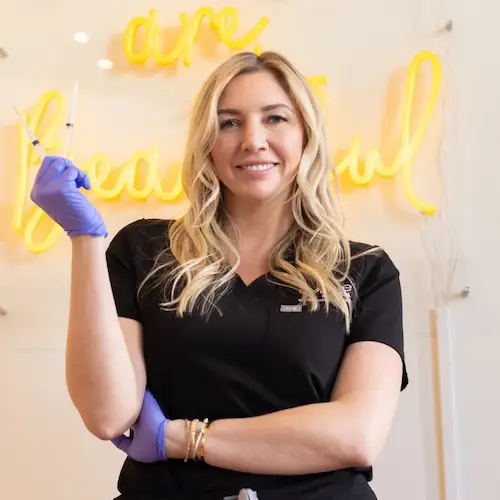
[(309, 439), (99, 372)]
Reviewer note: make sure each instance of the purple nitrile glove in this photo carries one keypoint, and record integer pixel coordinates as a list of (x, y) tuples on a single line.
[(147, 443), (57, 192)]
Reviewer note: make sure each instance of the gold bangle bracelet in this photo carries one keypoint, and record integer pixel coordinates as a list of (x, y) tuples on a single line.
[(188, 426), (199, 437), (192, 440), (203, 441)]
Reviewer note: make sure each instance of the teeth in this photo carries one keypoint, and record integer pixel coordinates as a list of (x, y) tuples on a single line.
[(259, 168)]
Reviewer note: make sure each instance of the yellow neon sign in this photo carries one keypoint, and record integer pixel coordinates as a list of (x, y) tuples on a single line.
[(409, 141), (109, 183), (225, 23)]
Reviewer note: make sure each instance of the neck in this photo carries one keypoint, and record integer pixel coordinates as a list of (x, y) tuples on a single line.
[(260, 225)]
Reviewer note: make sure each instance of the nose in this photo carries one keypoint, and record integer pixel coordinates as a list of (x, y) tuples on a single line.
[(254, 136)]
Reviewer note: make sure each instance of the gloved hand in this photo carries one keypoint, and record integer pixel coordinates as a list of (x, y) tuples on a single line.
[(147, 442), (57, 192)]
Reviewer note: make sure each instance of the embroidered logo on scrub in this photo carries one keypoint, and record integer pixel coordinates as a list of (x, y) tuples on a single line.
[(347, 290)]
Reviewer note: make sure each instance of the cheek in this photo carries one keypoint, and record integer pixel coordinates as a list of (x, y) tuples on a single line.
[(292, 147), (221, 154)]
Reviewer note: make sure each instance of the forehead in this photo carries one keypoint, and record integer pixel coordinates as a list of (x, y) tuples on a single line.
[(253, 90)]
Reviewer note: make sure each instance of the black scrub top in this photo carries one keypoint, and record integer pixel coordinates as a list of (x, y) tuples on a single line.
[(260, 353)]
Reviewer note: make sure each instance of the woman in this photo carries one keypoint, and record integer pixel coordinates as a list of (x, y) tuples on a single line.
[(271, 343)]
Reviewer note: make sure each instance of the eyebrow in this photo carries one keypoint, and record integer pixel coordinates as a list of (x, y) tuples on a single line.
[(269, 107)]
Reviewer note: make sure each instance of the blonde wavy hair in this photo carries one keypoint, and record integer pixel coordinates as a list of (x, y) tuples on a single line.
[(201, 263)]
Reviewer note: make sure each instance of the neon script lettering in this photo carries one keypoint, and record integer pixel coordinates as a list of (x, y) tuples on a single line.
[(410, 140), (225, 23)]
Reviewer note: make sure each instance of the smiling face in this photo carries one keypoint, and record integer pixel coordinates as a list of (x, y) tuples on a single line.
[(260, 140)]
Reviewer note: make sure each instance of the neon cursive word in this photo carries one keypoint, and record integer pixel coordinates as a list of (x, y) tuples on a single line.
[(110, 182), (409, 140), (225, 23)]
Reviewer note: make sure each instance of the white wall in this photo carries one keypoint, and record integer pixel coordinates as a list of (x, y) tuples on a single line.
[(474, 136), (363, 48)]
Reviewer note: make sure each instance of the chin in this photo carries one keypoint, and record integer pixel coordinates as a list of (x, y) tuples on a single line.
[(259, 195)]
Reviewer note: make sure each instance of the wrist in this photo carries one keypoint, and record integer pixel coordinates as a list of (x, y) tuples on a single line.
[(185, 439), (85, 243), (75, 238), (94, 232), (176, 439)]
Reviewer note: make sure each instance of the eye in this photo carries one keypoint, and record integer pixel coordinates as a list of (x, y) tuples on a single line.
[(277, 118), (227, 123)]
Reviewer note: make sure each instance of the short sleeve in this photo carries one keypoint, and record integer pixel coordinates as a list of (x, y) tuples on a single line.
[(378, 315), (120, 258)]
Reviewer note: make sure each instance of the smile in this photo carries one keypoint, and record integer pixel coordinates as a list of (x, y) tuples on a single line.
[(261, 167)]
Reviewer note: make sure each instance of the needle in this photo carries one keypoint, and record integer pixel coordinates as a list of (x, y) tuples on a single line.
[(34, 141), (71, 119)]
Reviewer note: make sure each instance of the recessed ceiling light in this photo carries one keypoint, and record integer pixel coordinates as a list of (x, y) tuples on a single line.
[(81, 37), (105, 64)]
